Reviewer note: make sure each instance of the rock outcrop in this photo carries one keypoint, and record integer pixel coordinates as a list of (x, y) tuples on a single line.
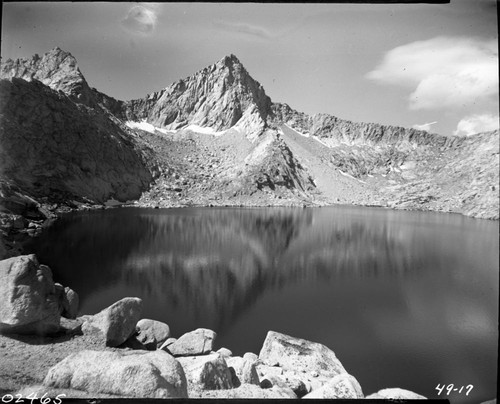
[(30, 304), (68, 300), (127, 374), (206, 372), (56, 69), (245, 371), (340, 386), (56, 150), (197, 342), (219, 97), (295, 354), (116, 322), (151, 333), (396, 394)]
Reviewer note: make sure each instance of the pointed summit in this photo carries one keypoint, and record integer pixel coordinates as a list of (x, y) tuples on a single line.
[(57, 69), (229, 60), (219, 97)]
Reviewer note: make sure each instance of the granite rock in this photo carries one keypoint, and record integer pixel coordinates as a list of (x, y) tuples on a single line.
[(139, 374)]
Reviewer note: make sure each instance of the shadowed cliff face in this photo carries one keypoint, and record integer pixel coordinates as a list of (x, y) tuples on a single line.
[(56, 149)]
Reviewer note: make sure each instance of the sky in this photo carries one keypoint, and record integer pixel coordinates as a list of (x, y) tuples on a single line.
[(428, 66)]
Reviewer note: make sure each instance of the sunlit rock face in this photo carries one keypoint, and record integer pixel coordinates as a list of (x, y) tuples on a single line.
[(56, 69), (219, 97)]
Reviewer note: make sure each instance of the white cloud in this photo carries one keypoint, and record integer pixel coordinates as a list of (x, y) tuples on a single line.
[(476, 124), (243, 28), (443, 71), (141, 19), (424, 126)]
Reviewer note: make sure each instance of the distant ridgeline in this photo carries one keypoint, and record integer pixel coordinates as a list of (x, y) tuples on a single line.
[(216, 138)]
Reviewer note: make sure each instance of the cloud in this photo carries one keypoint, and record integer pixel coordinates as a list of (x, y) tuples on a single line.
[(424, 126), (443, 71), (476, 124), (243, 28), (141, 19)]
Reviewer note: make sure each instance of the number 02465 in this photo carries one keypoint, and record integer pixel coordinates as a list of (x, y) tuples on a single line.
[(451, 388)]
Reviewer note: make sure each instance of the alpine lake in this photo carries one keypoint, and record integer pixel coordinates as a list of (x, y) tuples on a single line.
[(404, 299)]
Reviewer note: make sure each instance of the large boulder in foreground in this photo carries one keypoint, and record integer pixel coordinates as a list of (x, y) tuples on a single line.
[(116, 322), (396, 394), (151, 333), (340, 386), (206, 372), (29, 303), (299, 355), (197, 342), (130, 373)]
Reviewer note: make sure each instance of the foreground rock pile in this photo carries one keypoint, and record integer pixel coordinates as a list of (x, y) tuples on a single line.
[(138, 357)]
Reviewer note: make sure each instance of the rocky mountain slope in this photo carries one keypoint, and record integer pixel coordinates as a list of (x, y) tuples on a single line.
[(216, 138)]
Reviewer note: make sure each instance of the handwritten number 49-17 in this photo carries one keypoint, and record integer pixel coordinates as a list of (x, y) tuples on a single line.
[(451, 388)]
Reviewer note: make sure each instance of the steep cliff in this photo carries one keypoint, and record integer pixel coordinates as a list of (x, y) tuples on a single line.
[(220, 96), (57, 69), (57, 150)]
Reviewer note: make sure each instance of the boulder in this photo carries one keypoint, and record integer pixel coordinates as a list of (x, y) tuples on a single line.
[(396, 394), (250, 356), (225, 352), (129, 373), (116, 322), (340, 386), (197, 342), (264, 370), (70, 326), (28, 296), (294, 384), (151, 333), (68, 301), (245, 371), (206, 372), (299, 381), (299, 355), (297, 386)]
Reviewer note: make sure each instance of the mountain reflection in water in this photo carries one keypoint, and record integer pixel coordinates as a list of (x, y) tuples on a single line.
[(379, 287)]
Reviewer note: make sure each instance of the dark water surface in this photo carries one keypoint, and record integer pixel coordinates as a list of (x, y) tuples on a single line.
[(405, 299)]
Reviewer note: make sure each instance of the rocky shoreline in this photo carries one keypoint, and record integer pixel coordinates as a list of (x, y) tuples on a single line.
[(23, 218), (116, 353)]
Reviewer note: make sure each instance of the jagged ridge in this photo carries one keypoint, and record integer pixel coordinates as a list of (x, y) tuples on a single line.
[(218, 97), (224, 97)]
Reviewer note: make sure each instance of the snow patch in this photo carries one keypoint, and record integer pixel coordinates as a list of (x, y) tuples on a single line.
[(320, 141), (205, 131), (145, 126), (300, 133), (350, 176)]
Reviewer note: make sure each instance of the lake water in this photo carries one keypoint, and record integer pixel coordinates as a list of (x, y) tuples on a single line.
[(404, 299)]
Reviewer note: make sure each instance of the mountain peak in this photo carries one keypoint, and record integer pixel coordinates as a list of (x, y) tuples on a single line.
[(230, 60), (219, 96), (57, 69)]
